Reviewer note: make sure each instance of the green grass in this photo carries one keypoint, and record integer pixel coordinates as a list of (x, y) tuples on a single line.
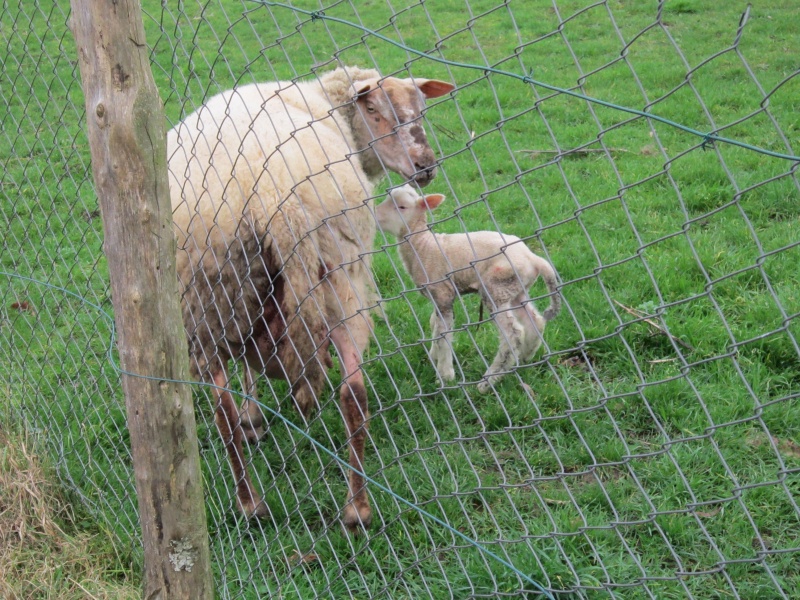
[(623, 463)]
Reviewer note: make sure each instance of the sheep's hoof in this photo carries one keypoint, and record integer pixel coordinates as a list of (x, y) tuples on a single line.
[(484, 387), (305, 409), (253, 508), (305, 402), (357, 519), (253, 435), (252, 418)]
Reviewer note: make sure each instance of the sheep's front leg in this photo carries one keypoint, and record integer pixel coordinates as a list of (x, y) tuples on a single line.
[(350, 343), (442, 344), (230, 430), (512, 340)]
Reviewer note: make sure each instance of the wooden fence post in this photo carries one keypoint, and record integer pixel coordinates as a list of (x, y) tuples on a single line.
[(127, 136)]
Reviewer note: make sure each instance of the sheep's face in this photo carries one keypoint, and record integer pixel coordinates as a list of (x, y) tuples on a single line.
[(404, 210), (391, 113)]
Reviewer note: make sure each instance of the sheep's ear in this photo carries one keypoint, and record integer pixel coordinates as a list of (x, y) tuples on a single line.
[(433, 88), (433, 200), (364, 88)]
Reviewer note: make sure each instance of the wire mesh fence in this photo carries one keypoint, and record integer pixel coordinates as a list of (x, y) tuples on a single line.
[(651, 449)]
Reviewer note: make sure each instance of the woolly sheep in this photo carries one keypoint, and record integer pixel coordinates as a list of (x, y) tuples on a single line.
[(497, 266), (271, 189)]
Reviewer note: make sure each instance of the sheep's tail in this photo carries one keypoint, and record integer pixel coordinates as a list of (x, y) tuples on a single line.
[(303, 350), (547, 273)]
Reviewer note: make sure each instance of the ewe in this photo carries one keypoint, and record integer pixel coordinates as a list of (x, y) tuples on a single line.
[(271, 189), (499, 267)]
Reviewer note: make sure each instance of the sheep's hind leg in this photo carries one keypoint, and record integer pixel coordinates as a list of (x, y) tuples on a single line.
[(442, 344), (512, 340), (355, 411), (252, 417), (304, 367), (230, 429)]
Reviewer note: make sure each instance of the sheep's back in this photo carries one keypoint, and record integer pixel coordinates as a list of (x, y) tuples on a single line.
[(249, 149)]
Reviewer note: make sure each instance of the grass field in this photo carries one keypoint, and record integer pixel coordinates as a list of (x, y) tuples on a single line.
[(625, 462)]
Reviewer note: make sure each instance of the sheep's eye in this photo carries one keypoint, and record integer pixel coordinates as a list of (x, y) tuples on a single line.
[(403, 207), (370, 108)]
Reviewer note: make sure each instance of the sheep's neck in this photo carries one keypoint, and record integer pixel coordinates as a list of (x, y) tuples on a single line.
[(367, 157)]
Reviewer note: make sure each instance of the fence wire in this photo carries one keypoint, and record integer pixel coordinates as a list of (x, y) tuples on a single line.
[(650, 450)]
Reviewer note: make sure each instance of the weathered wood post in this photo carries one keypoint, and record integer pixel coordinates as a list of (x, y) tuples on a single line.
[(127, 136)]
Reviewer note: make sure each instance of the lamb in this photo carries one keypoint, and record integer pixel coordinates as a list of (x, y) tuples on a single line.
[(271, 188), (499, 267)]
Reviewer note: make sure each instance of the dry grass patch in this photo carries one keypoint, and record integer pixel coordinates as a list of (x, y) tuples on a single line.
[(43, 552)]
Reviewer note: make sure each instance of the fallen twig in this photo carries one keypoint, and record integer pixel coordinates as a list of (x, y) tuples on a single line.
[(535, 153), (640, 315), (449, 133)]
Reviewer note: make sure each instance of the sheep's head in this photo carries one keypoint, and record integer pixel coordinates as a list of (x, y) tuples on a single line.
[(404, 210), (388, 126)]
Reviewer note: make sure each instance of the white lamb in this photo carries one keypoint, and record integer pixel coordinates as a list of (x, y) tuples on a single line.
[(271, 188), (499, 267)]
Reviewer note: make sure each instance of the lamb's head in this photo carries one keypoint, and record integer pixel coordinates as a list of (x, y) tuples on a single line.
[(404, 211), (387, 125)]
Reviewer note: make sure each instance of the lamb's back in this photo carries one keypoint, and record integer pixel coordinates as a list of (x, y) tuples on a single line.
[(494, 255)]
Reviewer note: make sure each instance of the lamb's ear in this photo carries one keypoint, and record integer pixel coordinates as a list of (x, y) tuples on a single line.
[(433, 88), (433, 200)]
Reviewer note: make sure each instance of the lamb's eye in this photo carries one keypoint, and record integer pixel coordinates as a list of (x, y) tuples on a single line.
[(370, 108)]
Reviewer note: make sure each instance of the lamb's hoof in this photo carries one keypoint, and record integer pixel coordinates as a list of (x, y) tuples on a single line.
[(445, 374), (357, 519), (253, 508), (484, 387)]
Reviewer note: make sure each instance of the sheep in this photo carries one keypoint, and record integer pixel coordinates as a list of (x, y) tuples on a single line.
[(271, 187), (497, 266)]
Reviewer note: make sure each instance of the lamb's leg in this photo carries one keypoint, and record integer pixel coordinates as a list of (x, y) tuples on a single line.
[(442, 344), (512, 340), (350, 343), (227, 419), (534, 324), (252, 418)]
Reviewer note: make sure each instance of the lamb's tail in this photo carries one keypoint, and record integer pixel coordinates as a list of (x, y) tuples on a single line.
[(547, 273), (303, 351)]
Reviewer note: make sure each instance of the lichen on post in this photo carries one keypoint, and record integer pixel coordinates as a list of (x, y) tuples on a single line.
[(127, 137)]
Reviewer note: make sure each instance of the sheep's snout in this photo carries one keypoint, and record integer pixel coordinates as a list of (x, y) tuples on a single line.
[(425, 169)]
